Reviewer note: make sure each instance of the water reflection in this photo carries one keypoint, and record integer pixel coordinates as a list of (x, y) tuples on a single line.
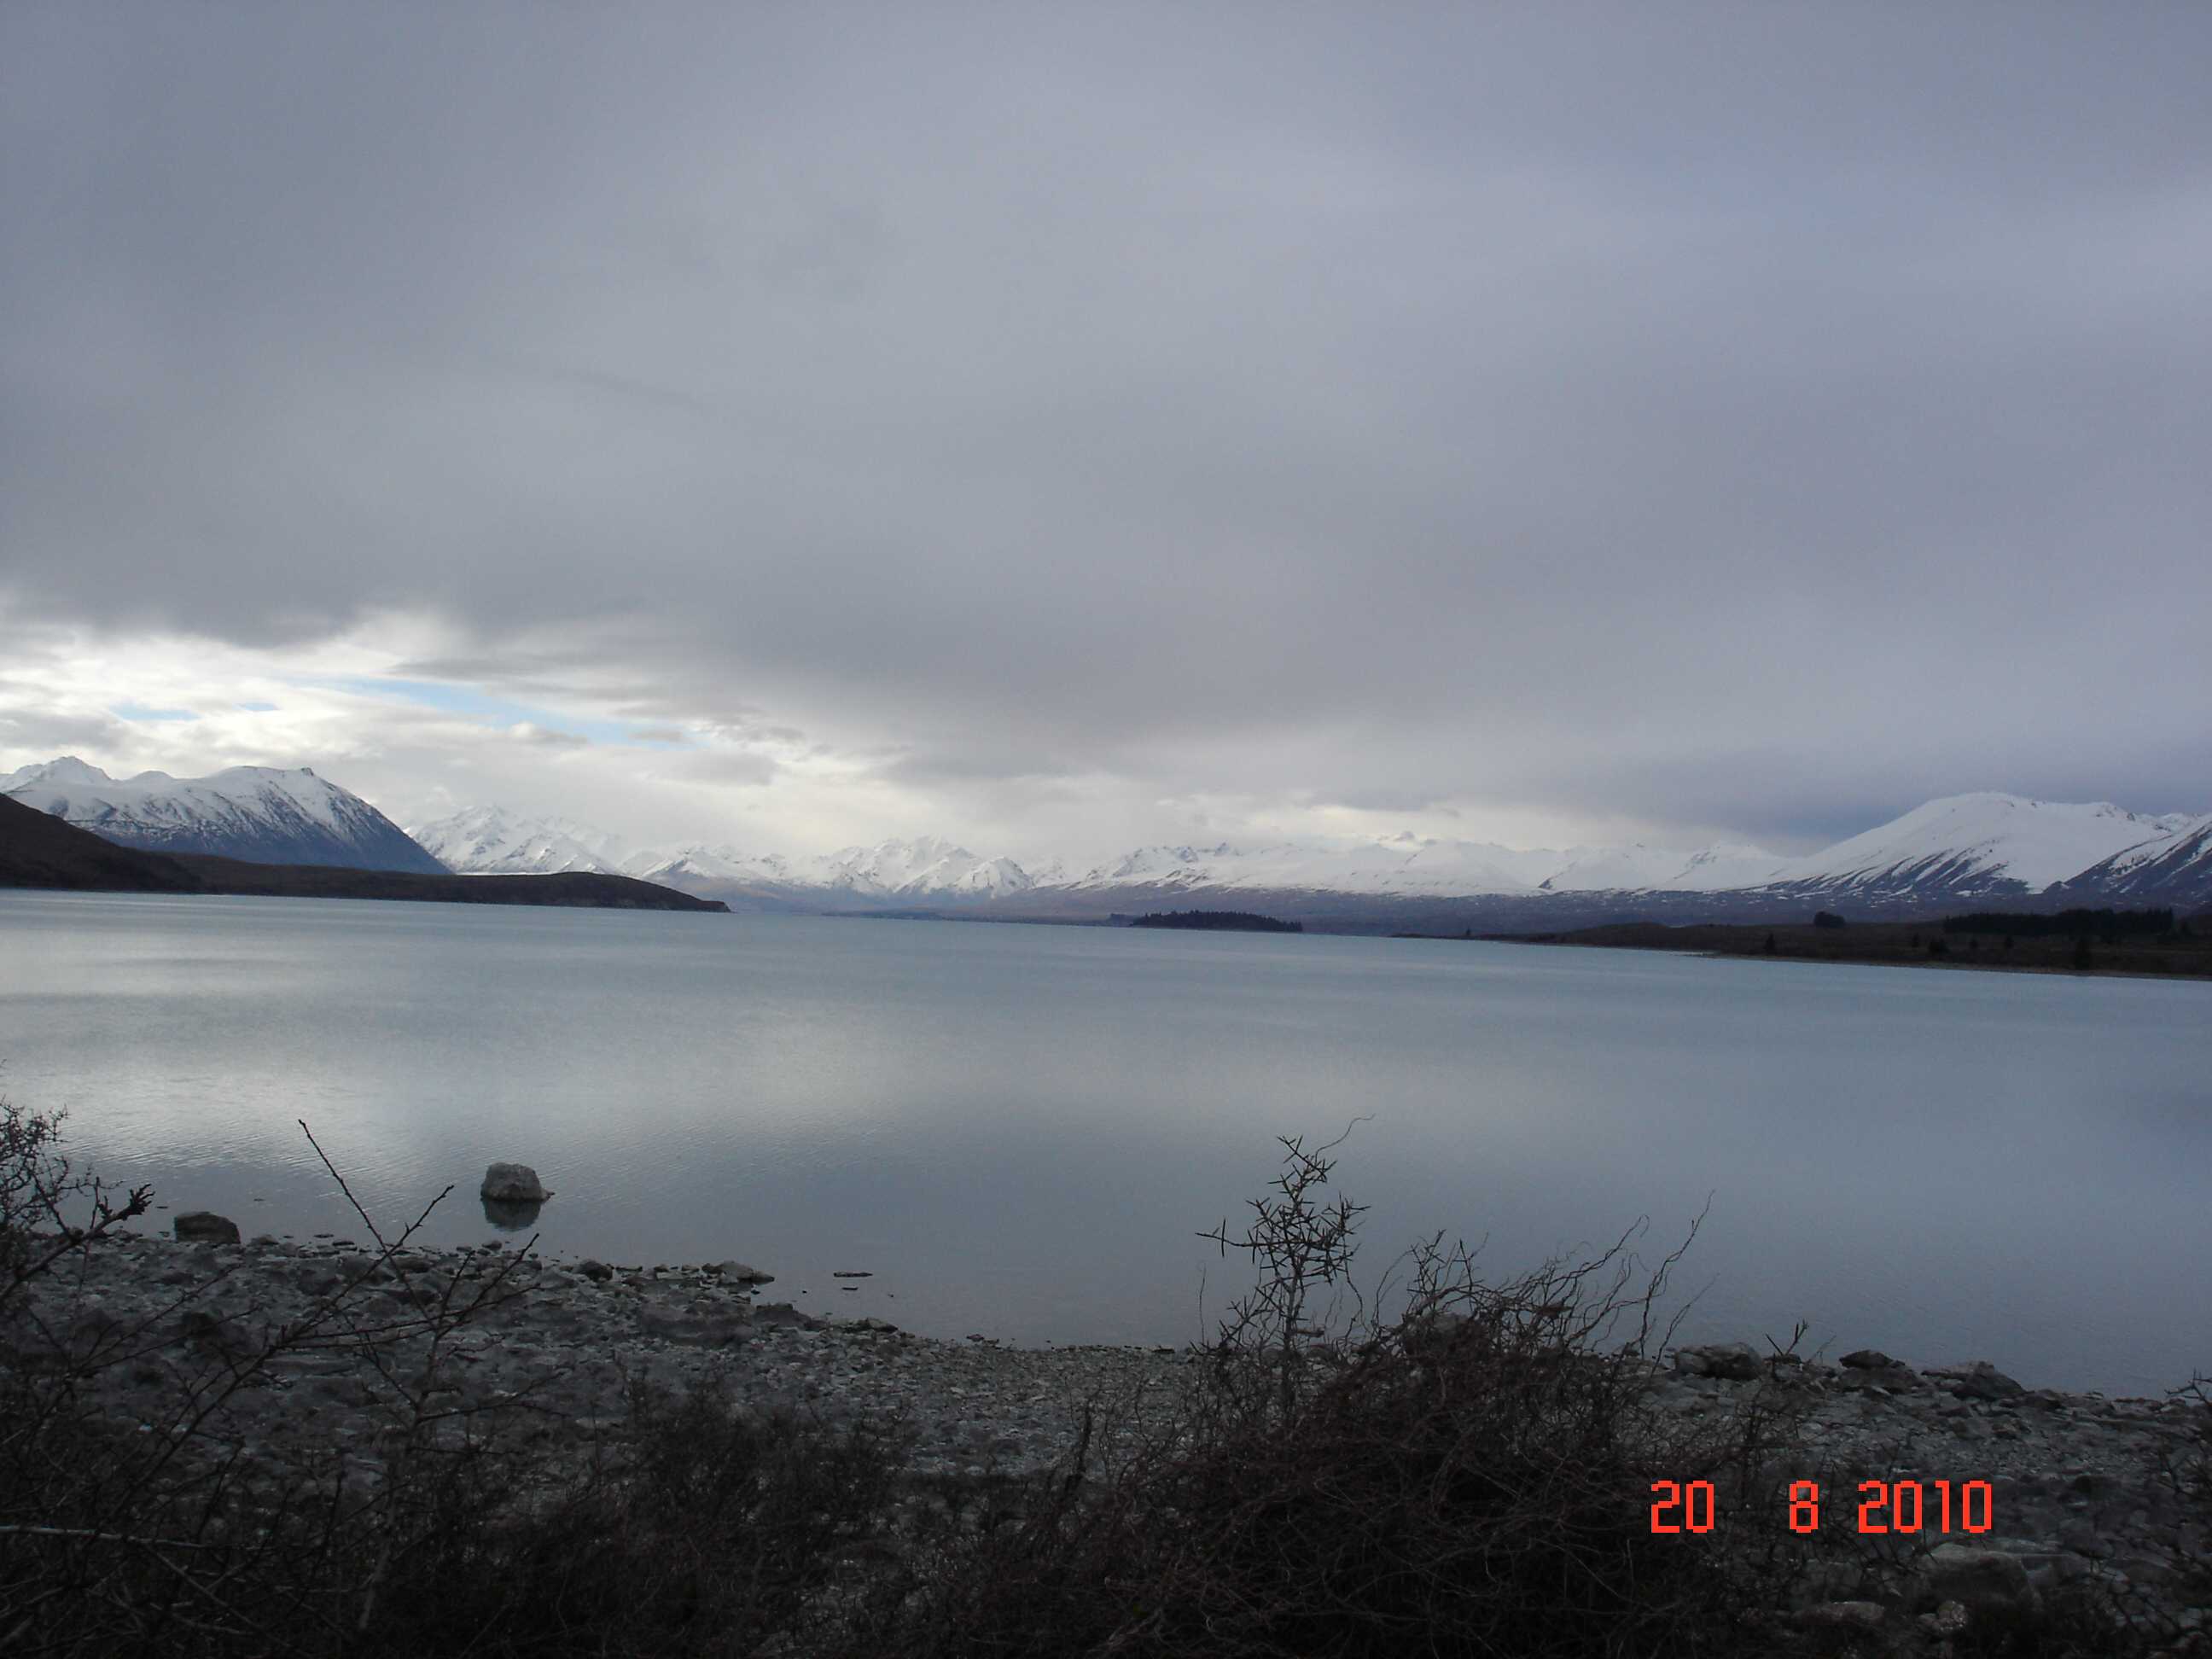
[(1021, 1129), (511, 1215)]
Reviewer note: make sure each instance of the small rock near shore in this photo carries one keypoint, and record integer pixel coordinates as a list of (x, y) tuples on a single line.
[(1978, 1380), (1734, 1362), (514, 1184), (1978, 1579), (736, 1272), (1868, 1359), (206, 1227)]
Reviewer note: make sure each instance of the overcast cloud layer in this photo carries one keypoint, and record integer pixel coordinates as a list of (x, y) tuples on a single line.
[(1068, 428)]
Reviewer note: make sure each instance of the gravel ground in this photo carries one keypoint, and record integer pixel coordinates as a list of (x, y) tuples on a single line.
[(2074, 1481)]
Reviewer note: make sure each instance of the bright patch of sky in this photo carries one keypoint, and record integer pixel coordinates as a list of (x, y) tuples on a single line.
[(131, 711), (507, 715)]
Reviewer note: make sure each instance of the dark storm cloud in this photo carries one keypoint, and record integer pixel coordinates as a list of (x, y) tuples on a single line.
[(1754, 416)]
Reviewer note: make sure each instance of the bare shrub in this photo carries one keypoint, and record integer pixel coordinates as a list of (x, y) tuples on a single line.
[(133, 1519), (1467, 1476), (698, 1530)]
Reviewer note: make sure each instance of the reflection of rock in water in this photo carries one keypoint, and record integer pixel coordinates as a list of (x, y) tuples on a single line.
[(510, 1217)]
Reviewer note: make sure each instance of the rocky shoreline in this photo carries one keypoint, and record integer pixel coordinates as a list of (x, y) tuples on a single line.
[(2074, 1486), (563, 1340)]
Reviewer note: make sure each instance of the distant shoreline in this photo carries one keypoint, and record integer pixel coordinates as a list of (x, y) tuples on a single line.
[(1896, 945)]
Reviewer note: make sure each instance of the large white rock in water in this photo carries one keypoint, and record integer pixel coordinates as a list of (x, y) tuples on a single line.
[(514, 1184)]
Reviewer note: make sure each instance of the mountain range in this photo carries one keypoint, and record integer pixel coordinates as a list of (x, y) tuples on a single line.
[(1981, 850), (251, 812), (40, 849)]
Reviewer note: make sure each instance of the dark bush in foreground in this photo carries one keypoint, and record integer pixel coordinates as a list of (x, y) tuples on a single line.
[(1467, 1478), (704, 1530)]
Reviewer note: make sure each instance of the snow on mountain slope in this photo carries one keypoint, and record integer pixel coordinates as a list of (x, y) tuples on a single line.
[(490, 841), (2175, 872), (1963, 847), (1394, 864), (1721, 867), (1415, 866), (1964, 844), (1641, 868), (1604, 869), (697, 862), (927, 866), (253, 813)]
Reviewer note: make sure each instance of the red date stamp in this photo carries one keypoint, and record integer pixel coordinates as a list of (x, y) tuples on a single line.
[(1885, 1506)]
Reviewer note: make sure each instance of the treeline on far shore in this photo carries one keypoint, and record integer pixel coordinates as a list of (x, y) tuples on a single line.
[(1218, 922), (2082, 941), (2071, 924)]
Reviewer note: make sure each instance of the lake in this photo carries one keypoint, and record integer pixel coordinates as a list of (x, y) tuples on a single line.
[(1019, 1131)]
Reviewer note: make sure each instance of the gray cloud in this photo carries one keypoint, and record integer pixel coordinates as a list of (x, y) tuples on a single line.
[(723, 767), (59, 732), (1731, 417), (546, 736)]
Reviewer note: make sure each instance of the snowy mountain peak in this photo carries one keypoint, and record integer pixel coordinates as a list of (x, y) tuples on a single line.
[(919, 868), (1980, 842), (258, 813), (492, 840), (63, 772)]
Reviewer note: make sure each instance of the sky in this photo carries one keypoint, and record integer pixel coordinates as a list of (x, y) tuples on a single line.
[(1063, 428)]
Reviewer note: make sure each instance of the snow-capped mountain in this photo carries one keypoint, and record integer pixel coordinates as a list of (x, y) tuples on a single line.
[(493, 840), (488, 841), (700, 863), (1397, 864), (2176, 872), (1963, 848), (252, 813), (928, 867), (1641, 868), (1971, 847), (1413, 866)]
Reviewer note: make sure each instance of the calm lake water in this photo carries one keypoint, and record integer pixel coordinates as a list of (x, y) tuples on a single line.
[(1019, 1130)]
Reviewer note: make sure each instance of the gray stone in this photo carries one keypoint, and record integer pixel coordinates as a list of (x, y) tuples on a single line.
[(1867, 1359), (513, 1183), (1734, 1362), (2081, 1537), (736, 1272), (1947, 1620), (701, 1328), (1847, 1615), (1979, 1579), (782, 1313), (1981, 1380), (206, 1227)]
